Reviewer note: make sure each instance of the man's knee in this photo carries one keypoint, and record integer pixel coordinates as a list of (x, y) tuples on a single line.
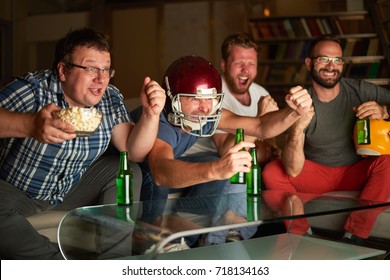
[(272, 170)]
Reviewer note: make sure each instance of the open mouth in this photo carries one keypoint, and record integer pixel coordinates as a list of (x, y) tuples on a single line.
[(95, 91), (329, 74), (243, 81)]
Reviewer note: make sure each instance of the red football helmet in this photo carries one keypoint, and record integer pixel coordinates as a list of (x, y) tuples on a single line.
[(192, 76)]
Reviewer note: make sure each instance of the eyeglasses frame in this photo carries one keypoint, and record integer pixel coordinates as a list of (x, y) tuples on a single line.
[(330, 59), (96, 70)]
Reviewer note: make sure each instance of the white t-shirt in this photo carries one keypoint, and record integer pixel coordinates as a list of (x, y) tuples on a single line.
[(232, 104)]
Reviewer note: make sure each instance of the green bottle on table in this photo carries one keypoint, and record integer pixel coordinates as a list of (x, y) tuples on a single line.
[(253, 206), (253, 178), (124, 182), (123, 213), (239, 178)]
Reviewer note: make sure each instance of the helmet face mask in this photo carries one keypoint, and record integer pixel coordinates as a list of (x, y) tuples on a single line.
[(191, 122), (193, 78)]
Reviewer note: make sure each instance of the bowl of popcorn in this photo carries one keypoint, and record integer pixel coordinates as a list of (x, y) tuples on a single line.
[(85, 120)]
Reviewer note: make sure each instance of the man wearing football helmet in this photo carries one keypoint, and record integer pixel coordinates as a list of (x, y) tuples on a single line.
[(202, 88), (193, 110)]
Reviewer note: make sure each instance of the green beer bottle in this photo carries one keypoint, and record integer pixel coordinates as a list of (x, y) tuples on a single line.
[(253, 178), (123, 213), (363, 131), (124, 182), (238, 178), (253, 205)]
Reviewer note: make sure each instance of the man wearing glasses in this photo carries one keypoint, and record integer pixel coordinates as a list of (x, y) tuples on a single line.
[(319, 155), (43, 164)]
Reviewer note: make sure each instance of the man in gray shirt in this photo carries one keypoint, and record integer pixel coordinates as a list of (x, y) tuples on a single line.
[(319, 155)]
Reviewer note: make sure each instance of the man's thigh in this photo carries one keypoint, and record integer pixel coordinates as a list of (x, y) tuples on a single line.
[(96, 186), (12, 198)]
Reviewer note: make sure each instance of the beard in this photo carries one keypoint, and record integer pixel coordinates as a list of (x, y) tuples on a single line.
[(326, 83)]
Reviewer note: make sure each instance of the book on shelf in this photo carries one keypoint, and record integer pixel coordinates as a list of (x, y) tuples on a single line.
[(298, 51), (384, 70), (298, 27), (306, 28), (336, 26), (255, 31), (282, 29), (326, 25), (263, 72), (289, 28), (360, 48), (272, 51), (272, 74), (373, 47), (264, 30), (304, 52), (281, 51), (289, 73), (358, 70), (373, 70), (384, 10), (320, 26), (291, 52), (276, 73), (275, 31), (315, 30), (349, 46), (294, 50)]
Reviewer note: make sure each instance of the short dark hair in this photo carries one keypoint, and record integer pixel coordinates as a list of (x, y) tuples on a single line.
[(322, 38), (239, 39), (80, 37)]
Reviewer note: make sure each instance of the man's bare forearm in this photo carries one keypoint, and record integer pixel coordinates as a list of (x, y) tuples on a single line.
[(264, 127), (14, 124)]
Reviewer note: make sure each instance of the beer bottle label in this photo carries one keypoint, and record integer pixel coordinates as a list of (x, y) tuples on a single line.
[(363, 132)]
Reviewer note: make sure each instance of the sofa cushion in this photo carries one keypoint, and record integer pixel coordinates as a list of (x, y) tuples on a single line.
[(46, 223)]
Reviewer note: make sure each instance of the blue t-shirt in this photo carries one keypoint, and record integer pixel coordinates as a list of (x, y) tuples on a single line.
[(179, 140)]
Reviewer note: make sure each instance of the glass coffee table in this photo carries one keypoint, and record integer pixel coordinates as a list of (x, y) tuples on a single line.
[(209, 227)]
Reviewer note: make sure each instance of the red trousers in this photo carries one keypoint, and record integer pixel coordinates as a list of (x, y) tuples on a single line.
[(371, 176)]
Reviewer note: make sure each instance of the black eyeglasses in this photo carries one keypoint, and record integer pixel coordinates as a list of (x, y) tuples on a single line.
[(94, 71), (326, 60)]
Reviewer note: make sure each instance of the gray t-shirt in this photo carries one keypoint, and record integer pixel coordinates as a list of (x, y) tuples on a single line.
[(329, 136)]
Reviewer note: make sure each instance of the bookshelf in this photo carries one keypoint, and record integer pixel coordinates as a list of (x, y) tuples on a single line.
[(380, 11), (284, 41)]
